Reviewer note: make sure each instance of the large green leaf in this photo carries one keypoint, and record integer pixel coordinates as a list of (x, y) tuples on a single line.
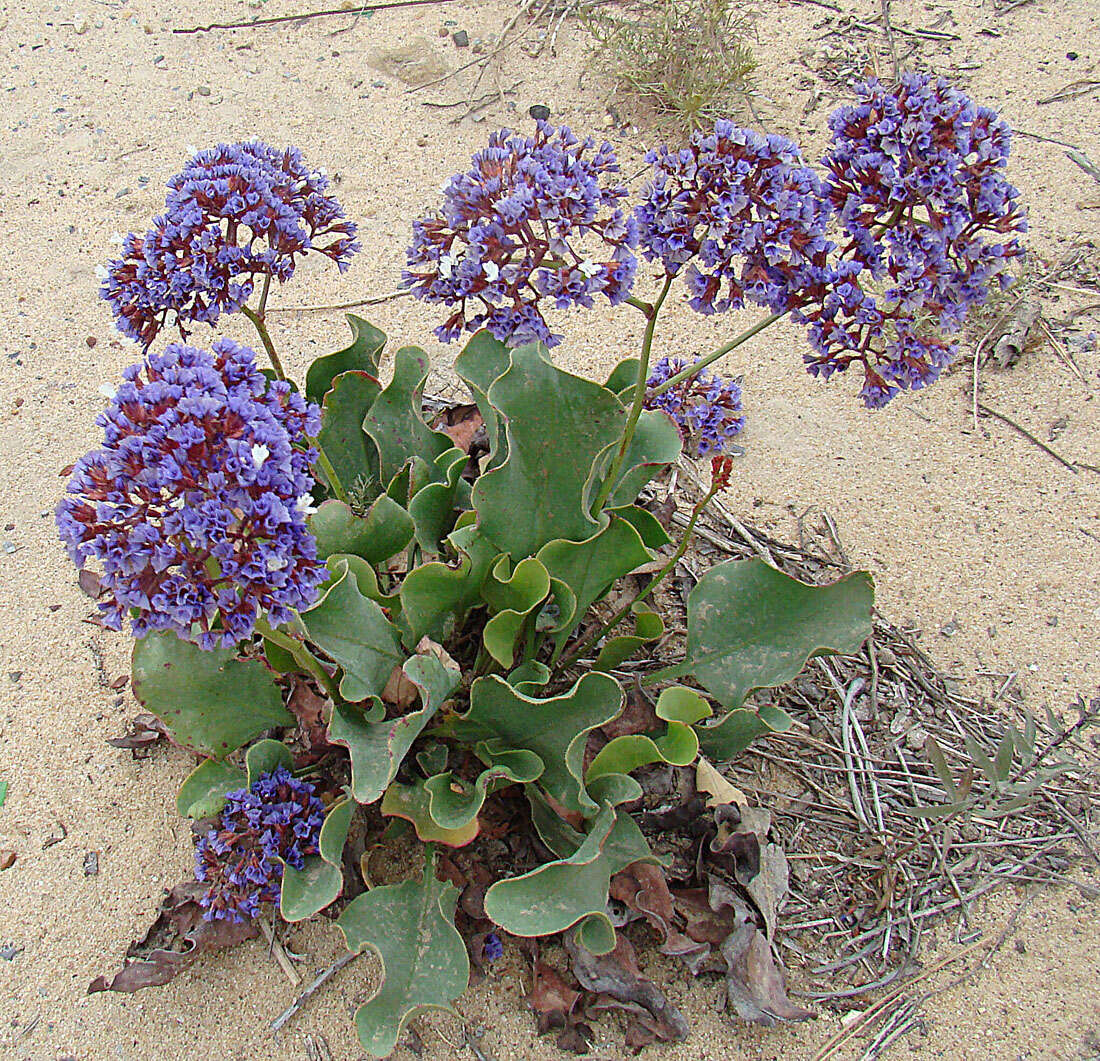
[(410, 926), (377, 746), (342, 437), (751, 626), (432, 507), (483, 360), (656, 444), (731, 735), (589, 568), (561, 894), (396, 421), (318, 883), (354, 631), (512, 596), (383, 532), (555, 729), (556, 424), (362, 355), (210, 702), (435, 592), (680, 708)]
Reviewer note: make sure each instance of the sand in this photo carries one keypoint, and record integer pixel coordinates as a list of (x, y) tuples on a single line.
[(978, 532)]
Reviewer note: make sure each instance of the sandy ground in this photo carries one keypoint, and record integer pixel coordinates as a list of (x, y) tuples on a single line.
[(976, 529)]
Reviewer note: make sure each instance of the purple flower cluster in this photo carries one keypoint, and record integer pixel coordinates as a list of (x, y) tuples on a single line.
[(493, 948), (277, 820), (235, 213), (916, 177), (515, 229), (195, 505), (706, 408), (742, 213)]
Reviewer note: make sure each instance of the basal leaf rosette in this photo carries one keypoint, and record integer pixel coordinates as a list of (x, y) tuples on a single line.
[(195, 505)]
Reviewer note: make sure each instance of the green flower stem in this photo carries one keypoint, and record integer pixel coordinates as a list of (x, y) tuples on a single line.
[(302, 656), (698, 367), (330, 474), (257, 319), (639, 397), (605, 628)]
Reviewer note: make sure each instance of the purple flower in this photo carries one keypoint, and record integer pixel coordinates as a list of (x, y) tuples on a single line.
[(235, 213), (532, 219), (916, 176), (278, 820), (193, 506), (492, 949), (740, 215), (706, 408)]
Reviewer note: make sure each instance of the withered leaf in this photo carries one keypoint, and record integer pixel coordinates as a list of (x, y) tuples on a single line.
[(638, 716), (177, 937), (308, 708), (89, 583), (145, 730), (754, 984), (709, 780), (552, 999), (643, 888), (463, 427), (617, 976)]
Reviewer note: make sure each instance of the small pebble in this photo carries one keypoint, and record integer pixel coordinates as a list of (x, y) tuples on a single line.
[(203, 90), (540, 112), (7, 859), (80, 27), (9, 547), (91, 864), (91, 341), (461, 38)]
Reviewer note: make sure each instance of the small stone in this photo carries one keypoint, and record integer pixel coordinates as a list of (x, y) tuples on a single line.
[(461, 38), (9, 952), (9, 547), (916, 738), (478, 46), (949, 629), (7, 859), (886, 657), (123, 192), (91, 341), (378, 84), (15, 675), (91, 864), (203, 90), (540, 112), (80, 26)]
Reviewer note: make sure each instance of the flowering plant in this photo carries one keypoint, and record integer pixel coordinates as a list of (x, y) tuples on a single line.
[(355, 612)]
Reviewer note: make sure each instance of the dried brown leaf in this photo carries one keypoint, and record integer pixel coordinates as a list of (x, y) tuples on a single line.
[(175, 939), (617, 976), (642, 887), (145, 730), (89, 583), (710, 781), (552, 999), (754, 984)]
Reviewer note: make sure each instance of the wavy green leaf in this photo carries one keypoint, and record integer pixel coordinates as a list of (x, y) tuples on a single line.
[(396, 420), (555, 729), (751, 626), (383, 532), (556, 424), (318, 883), (735, 731), (680, 708), (432, 507), (362, 355), (648, 627), (210, 702), (435, 592), (353, 630), (590, 567), (346, 445), (561, 894), (513, 596), (203, 791), (377, 746), (484, 360), (410, 926)]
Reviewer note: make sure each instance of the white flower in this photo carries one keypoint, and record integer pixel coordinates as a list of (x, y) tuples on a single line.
[(260, 453), (446, 266), (589, 269), (277, 563), (305, 505), (177, 502), (107, 390), (491, 270)]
